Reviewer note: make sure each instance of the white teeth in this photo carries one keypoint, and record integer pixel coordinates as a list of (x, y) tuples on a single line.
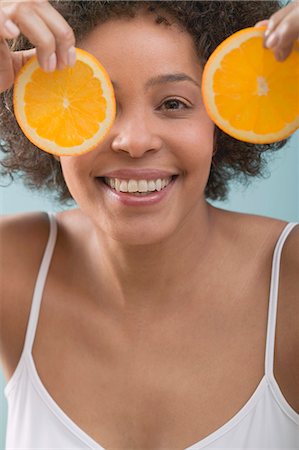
[(151, 186), (142, 186), (123, 186), (132, 186), (137, 185), (159, 184), (117, 184)]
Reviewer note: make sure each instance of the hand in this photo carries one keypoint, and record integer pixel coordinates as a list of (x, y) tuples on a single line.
[(282, 30), (45, 28)]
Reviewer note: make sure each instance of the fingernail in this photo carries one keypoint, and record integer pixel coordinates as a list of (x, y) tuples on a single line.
[(270, 25), (267, 32), (71, 56), (52, 61), (280, 56), (11, 27), (271, 40)]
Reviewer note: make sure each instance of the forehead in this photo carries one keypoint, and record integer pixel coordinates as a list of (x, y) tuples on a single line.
[(139, 46)]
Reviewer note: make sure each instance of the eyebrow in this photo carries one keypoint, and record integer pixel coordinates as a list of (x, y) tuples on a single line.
[(165, 78)]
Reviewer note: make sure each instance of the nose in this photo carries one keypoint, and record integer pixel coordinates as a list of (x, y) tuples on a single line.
[(135, 135)]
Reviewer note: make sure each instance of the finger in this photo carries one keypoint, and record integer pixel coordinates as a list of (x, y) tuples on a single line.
[(11, 63), (46, 29), (262, 23), (20, 58), (288, 30), (27, 54), (279, 16), (63, 33), (8, 29), (33, 27), (281, 54), (285, 33), (6, 67)]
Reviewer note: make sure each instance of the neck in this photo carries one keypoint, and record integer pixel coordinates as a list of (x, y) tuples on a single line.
[(155, 274)]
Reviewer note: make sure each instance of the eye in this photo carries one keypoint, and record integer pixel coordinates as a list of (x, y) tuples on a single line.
[(174, 104)]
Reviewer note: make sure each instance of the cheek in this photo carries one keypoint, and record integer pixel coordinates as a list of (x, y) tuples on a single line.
[(76, 167), (203, 130), (67, 170), (75, 174), (196, 141)]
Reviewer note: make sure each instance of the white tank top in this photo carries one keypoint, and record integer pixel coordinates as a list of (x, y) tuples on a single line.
[(35, 420)]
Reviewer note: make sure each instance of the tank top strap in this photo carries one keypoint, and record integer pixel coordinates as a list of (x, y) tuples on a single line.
[(40, 283), (272, 310)]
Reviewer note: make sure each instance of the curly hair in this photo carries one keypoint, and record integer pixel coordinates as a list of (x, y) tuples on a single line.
[(208, 23)]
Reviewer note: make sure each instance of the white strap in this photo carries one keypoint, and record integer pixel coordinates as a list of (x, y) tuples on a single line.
[(40, 283), (272, 312)]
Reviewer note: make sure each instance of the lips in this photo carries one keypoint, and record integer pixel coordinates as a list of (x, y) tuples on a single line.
[(137, 198)]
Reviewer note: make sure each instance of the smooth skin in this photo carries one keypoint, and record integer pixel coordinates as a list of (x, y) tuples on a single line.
[(169, 306)]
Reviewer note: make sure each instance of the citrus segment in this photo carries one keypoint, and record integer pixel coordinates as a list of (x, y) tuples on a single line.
[(65, 112), (248, 93)]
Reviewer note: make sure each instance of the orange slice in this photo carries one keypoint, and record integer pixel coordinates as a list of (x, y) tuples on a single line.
[(248, 93), (65, 112)]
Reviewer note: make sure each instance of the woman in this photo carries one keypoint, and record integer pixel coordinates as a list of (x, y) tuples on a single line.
[(151, 324)]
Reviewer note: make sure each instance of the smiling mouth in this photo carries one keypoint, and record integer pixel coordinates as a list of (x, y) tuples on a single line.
[(137, 187)]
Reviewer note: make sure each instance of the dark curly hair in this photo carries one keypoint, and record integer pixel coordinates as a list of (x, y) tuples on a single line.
[(209, 23)]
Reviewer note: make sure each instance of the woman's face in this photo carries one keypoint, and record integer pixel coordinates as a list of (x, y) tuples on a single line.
[(161, 130)]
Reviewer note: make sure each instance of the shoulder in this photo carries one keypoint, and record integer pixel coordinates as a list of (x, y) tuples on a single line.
[(13, 221), (290, 251), (289, 284), (252, 234), (255, 239), (289, 273), (262, 235), (287, 330), (23, 238)]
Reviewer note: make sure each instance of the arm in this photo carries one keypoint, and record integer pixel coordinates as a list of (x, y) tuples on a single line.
[(22, 241)]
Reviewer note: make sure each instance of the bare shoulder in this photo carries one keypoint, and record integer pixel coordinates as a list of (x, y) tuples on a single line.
[(259, 235), (23, 238), (290, 252), (250, 232), (21, 235), (262, 234), (286, 353), (288, 302), (287, 340)]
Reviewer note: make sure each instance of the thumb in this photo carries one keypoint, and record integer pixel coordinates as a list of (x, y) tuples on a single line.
[(262, 23), (20, 58), (6, 67), (11, 63)]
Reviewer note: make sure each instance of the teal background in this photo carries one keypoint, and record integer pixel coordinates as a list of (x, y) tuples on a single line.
[(277, 196)]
